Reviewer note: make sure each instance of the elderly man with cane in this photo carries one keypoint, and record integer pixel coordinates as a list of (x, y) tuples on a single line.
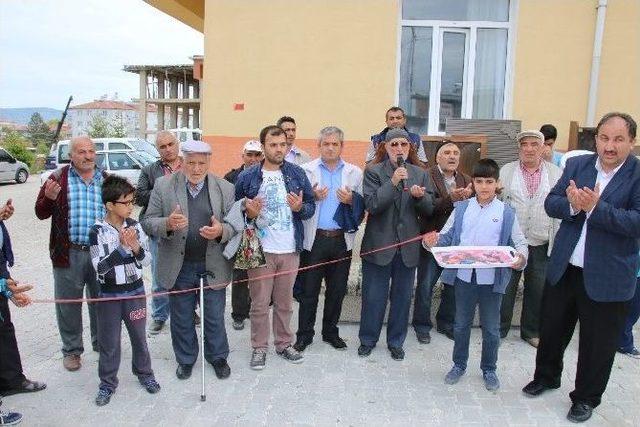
[(185, 213)]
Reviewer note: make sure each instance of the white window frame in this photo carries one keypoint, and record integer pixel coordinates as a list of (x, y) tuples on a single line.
[(438, 27)]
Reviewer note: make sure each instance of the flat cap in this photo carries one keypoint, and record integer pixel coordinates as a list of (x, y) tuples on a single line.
[(195, 147), (530, 134), (396, 133)]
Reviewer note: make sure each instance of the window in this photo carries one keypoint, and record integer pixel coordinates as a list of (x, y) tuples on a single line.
[(119, 161), (453, 61), (118, 146), (4, 156)]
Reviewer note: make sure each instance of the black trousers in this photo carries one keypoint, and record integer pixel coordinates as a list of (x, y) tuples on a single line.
[(335, 276), (600, 326), (240, 301), (11, 375)]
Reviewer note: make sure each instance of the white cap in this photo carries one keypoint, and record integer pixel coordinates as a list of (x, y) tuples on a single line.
[(195, 147), (253, 145)]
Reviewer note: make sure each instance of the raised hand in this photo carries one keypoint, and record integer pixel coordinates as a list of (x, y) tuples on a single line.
[(253, 207), (417, 191), (345, 196), (6, 210), (320, 193), (295, 201), (589, 198), (51, 189), (573, 196), (213, 231), (129, 239), (464, 193), (399, 174), (177, 220)]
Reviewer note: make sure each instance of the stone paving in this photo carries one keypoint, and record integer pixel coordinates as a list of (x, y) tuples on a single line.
[(329, 388)]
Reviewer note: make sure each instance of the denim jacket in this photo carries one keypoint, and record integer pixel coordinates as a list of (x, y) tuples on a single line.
[(295, 180)]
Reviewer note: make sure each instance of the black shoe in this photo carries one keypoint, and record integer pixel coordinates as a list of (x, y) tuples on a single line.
[(104, 396), (184, 372), (364, 350), (535, 388), (336, 342), (423, 338), (155, 327), (301, 345), (579, 412), (27, 386), (447, 332), (221, 368), (397, 353)]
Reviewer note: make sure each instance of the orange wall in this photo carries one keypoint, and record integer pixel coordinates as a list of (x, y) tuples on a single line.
[(227, 150)]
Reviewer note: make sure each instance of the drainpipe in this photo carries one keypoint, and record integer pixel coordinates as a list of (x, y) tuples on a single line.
[(595, 62)]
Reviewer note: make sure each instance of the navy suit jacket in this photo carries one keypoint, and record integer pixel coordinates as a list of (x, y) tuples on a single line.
[(613, 228)]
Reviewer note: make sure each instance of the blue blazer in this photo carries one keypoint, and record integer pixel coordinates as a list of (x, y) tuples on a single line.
[(611, 247)]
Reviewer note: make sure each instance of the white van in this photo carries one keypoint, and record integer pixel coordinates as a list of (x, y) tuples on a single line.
[(12, 169), (61, 150)]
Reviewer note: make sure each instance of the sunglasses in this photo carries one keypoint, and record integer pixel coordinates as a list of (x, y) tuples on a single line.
[(401, 144)]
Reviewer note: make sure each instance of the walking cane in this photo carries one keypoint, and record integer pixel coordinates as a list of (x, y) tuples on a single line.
[(203, 394)]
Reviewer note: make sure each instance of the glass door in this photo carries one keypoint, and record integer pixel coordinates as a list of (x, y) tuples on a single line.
[(452, 71)]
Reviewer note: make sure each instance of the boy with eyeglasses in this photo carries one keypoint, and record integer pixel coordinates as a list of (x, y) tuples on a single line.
[(119, 250)]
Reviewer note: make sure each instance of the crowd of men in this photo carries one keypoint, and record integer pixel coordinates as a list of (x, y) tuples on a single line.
[(576, 232)]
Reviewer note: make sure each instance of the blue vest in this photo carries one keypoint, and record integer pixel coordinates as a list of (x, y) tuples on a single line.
[(503, 274)]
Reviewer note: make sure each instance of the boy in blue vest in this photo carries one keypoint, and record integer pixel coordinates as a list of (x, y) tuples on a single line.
[(480, 221), (119, 250)]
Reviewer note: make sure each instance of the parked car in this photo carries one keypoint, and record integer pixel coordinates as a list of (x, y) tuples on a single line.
[(125, 163), (61, 150), (11, 169)]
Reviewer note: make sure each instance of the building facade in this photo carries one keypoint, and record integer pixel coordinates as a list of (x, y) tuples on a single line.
[(113, 112), (344, 63)]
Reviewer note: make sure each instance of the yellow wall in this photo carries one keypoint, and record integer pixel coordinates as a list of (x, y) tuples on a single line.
[(323, 65), (554, 47), (189, 12)]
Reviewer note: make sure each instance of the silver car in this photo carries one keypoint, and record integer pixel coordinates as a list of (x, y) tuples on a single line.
[(12, 169)]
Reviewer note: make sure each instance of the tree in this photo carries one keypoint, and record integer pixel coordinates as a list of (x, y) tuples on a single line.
[(38, 130), (99, 127), (117, 127), (16, 145)]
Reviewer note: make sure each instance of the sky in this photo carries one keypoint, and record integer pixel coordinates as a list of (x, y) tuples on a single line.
[(51, 49)]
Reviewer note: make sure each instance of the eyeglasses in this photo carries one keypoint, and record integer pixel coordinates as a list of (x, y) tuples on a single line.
[(125, 202), (401, 144)]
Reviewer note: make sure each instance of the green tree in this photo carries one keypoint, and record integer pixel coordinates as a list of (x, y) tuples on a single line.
[(16, 144), (117, 127), (37, 130), (99, 127)]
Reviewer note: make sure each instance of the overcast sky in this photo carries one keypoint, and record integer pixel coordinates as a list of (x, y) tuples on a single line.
[(51, 49)]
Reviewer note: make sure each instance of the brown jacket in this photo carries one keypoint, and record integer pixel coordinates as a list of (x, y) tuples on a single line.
[(443, 206)]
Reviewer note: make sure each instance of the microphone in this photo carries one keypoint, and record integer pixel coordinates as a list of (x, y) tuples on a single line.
[(400, 163)]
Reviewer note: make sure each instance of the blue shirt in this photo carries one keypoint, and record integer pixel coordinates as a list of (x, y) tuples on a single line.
[(332, 179), (85, 205)]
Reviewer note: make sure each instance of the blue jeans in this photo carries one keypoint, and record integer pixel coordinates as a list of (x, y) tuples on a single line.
[(375, 292), (183, 328), (626, 338), (468, 295), (428, 273), (159, 304)]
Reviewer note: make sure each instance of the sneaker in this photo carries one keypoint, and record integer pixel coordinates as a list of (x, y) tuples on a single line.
[(238, 325), (454, 375), (155, 327), (258, 359), (151, 385), (631, 353), (71, 362), (491, 381), (104, 396), (291, 354), (397, 353), (10, 418)]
